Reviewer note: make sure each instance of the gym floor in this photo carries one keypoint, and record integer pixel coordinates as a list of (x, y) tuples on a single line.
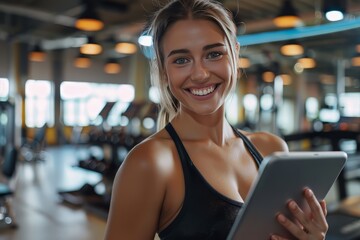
[(41, 214)]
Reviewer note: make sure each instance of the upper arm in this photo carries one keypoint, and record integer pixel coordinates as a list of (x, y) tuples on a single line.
[(137, 196), (268, 143)]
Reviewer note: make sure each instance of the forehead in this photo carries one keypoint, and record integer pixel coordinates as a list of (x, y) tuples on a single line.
[(191, 34)]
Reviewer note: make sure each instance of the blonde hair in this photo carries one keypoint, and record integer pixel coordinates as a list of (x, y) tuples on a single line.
[(172, 12)]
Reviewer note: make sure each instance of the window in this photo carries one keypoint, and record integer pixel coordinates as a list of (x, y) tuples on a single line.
[(82, 102), (154, 94), (39, 103), (231, 109), (312, 108), (350, 102), (4, 89)]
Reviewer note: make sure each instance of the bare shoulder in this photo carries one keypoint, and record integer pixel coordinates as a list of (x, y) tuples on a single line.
[(150, 156), (142, 179), (266, 142)]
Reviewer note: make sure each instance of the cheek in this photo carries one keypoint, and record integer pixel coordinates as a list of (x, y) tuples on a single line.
[(168, 76), (223, 70), (176, 76), (171, 81)]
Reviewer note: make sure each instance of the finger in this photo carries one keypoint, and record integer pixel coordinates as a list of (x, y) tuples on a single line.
[(309, 225), (316, 209), (323, 206), (302, 220), (293, 228), (298, 223), (276, 237)]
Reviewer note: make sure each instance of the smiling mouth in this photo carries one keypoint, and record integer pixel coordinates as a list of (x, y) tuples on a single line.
[(203, 91)]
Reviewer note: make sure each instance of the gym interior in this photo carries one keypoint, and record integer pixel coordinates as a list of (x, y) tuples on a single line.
[(68, 117)]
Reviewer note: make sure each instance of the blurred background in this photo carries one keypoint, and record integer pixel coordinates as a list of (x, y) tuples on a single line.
[(75, 97)]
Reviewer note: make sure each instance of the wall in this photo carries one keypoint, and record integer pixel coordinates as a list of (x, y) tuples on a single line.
[(43, 70), (4, 60), (58, 67), (96, 72)]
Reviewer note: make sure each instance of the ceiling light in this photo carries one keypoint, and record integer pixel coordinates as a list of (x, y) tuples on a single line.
[(91, 47), (334, 9), (355, 61), (287, 17), (126, 48), (112, 67), (82, 61), (88, 20), (268, 76), (286, 79), (145, 40), (37, 54), (358, 48), (334, 16), (244, 62), (307, 62), (292, 48)]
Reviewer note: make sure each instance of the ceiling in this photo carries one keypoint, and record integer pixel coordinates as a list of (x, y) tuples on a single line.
[(51, 24), (51, 19)]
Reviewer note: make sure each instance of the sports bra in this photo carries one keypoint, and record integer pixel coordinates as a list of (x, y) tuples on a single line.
[(205, 213)]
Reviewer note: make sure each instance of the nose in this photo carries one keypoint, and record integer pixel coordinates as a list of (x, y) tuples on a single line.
[(199, 72)]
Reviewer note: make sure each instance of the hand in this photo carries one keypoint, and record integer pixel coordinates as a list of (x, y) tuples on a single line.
[(308, 226)]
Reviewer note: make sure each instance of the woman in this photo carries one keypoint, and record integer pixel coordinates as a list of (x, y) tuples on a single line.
[(189, 180)]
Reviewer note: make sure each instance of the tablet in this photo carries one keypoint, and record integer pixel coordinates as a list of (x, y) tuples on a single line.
[(283, 176)]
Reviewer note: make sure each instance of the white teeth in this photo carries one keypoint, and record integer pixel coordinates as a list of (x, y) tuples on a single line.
[(202, 92)]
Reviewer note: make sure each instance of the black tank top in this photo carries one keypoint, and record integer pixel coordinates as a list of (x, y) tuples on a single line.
[(205, 213)]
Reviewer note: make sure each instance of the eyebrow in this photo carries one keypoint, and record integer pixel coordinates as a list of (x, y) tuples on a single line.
[(207, 47)]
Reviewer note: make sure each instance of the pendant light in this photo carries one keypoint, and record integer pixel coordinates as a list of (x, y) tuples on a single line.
[(357, 47), (244, 62), (334, 10), (37, 54), (268, 76), (355, 60), (91, 47), (307, 62), (88, 19), (292, 48), (82, 61), (126, 48), (112, 66), (286, 79), (287, 16)]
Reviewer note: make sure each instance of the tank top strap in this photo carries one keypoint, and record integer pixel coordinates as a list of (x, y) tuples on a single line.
[(184, 157), (250, 146)]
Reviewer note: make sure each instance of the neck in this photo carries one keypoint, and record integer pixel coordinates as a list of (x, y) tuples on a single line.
[(214, 127)]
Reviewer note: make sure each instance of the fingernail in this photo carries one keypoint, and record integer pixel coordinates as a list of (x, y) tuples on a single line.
[(281, 218), (308, 192), (292, 205)]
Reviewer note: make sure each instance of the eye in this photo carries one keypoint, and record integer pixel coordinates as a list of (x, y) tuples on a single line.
[(214, 55), (181, 61)]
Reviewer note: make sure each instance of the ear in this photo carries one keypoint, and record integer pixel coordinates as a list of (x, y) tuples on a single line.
[(237, 49), (237, 46)]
